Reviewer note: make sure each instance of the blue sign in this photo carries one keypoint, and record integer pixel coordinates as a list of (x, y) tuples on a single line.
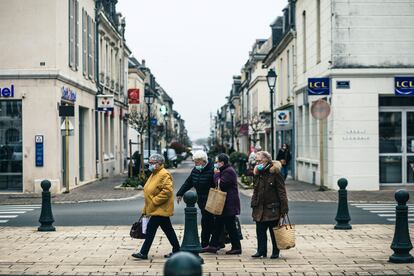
[(153, 121), (7, 92), (68, 94), (404, 86), (39, 150), (319, 86), (342, 85)]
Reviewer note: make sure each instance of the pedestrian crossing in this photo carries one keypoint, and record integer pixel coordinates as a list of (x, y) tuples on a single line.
[(385, 210), (8, 212)]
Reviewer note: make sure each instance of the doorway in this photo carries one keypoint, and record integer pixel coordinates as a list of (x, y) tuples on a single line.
[(396, 145)]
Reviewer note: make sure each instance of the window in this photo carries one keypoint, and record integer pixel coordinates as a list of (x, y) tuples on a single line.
[(84, 42), (90, 39), (304, 39), (73, 34), (318, 31), (288, 72)]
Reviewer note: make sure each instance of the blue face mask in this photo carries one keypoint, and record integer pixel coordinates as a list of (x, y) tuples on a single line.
[(151, 167), (216, 166), (260, 167), (199, 167)]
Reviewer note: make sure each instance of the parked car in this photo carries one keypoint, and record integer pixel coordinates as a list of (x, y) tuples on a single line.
[(171, 156)]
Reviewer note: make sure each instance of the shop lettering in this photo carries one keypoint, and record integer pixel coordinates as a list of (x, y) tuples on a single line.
[(7, 92), (405, 84), (317, 84)]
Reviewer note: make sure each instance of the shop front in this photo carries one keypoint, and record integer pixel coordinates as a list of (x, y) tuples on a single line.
[(285, 133)]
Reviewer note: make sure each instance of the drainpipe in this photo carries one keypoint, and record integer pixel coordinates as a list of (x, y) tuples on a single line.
[(99, 91)]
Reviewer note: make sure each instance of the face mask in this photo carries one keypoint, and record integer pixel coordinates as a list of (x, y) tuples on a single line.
[(216, 166), (260, 167), (151, 167), (199, 167)]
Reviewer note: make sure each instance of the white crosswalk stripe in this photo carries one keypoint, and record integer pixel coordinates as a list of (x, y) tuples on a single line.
[(385, 210), (8, 212)]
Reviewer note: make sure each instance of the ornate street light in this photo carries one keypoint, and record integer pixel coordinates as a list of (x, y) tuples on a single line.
[(149, 99), (271, 82)]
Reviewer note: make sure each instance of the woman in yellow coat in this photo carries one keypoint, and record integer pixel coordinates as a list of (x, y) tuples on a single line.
[(159, 206)]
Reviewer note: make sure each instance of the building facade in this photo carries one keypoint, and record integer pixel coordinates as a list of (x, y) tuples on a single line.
[(363, 50)]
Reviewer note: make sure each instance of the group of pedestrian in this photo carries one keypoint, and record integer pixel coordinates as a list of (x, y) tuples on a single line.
[(269, 202)]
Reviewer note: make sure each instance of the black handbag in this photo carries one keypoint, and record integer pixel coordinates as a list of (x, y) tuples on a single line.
[(226, 237), (136, 230)]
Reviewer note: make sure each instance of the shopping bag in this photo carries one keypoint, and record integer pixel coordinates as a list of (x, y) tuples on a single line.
[(215, 201), (136, 231), (145, 221), (285, 234)]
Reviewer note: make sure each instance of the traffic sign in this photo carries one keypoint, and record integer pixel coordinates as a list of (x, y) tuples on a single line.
[(320, 109)]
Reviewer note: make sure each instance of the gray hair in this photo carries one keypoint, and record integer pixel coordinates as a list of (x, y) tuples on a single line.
[(265, 155), (200, 155), (158, 158)]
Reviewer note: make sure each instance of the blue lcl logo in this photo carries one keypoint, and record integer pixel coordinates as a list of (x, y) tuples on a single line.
[(7, 92), (404, 86), (318, 86)]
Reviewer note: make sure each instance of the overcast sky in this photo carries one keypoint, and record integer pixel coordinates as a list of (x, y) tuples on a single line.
[(194, 47)]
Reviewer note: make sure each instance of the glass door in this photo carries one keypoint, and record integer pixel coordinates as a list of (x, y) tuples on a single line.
[(396, 147)]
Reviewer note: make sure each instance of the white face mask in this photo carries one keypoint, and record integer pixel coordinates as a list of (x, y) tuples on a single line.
[(152, 167)]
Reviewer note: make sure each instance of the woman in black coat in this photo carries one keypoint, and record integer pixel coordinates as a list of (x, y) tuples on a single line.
[(201, 178), (284, 156)]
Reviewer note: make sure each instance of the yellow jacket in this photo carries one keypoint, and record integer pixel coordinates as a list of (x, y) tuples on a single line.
[(158, 194)]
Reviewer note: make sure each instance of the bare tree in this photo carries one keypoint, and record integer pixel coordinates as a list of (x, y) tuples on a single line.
[(138, 120), (256, 124)]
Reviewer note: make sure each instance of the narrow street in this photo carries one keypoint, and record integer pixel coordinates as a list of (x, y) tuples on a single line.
[(126, 212)]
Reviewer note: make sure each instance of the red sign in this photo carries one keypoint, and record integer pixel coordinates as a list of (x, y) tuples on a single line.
[(133, 96)]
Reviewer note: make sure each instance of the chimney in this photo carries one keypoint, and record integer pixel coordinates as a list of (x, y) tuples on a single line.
[(143, 63)]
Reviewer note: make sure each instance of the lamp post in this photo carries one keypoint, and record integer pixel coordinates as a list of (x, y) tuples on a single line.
[(232, 110), (271, 82), (149, 99)]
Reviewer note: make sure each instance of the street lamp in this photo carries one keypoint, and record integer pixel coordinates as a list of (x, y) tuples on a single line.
[(149, 99), (232, 110), (271, 82)]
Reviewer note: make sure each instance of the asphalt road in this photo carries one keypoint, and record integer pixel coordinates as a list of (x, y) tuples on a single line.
[(126, 212)]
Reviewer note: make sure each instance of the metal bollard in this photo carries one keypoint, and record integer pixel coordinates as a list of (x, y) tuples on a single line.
[(191, 241), (342, 215), (46, 217), (401, 244), (183, 264)]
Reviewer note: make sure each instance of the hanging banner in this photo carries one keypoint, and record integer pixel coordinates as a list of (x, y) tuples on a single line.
[(404, 86), (133, 96)]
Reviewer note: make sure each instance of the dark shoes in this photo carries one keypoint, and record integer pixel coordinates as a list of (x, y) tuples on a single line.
[(258, 255), (234, 252), (167, 256), (138, 255), (209, 249), (275, 254)]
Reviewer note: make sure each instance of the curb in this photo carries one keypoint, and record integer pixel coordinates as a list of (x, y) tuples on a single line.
[(100, 200)]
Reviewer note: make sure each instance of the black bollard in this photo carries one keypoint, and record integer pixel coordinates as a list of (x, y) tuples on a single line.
[(46, 217), (401, 244), (191, 241), (183, 264), (342, 215)]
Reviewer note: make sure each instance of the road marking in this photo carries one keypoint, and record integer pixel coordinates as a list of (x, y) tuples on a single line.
[(385, 210), (8, 216), (13, 211)]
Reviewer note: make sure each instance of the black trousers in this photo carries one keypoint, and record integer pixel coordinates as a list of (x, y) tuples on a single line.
[(165, 224), (230, 223), (207, 227), (261, 228)]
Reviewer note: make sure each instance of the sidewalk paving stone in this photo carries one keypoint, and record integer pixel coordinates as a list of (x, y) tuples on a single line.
[(103, 250)]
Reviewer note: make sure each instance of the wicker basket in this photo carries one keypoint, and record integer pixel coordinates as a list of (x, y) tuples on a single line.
[(285, 235)]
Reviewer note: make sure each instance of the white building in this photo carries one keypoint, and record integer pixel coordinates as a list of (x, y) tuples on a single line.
[(361, 47), (51, 61)]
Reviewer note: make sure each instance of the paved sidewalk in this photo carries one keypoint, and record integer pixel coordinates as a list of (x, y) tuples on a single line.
[(100, 190), (301, 191), (100, 250)]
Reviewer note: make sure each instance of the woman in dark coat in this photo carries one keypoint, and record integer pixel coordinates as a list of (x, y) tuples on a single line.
[(226, 177), (269, 201), (201, 178), (284, 156)]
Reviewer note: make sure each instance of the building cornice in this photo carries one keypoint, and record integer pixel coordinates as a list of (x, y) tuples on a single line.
[(50, 75), (278, 49)]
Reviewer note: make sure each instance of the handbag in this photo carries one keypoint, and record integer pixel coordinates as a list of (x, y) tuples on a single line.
[(216, 200), (226, 236), (285, 234), (138, 229)]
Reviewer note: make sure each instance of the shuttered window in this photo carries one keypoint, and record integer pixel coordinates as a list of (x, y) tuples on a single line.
[(73, 34), (84, 43), (90, 57)]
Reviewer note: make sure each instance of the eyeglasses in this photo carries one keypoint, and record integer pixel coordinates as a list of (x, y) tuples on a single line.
[(258, 161), (152, 162)]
